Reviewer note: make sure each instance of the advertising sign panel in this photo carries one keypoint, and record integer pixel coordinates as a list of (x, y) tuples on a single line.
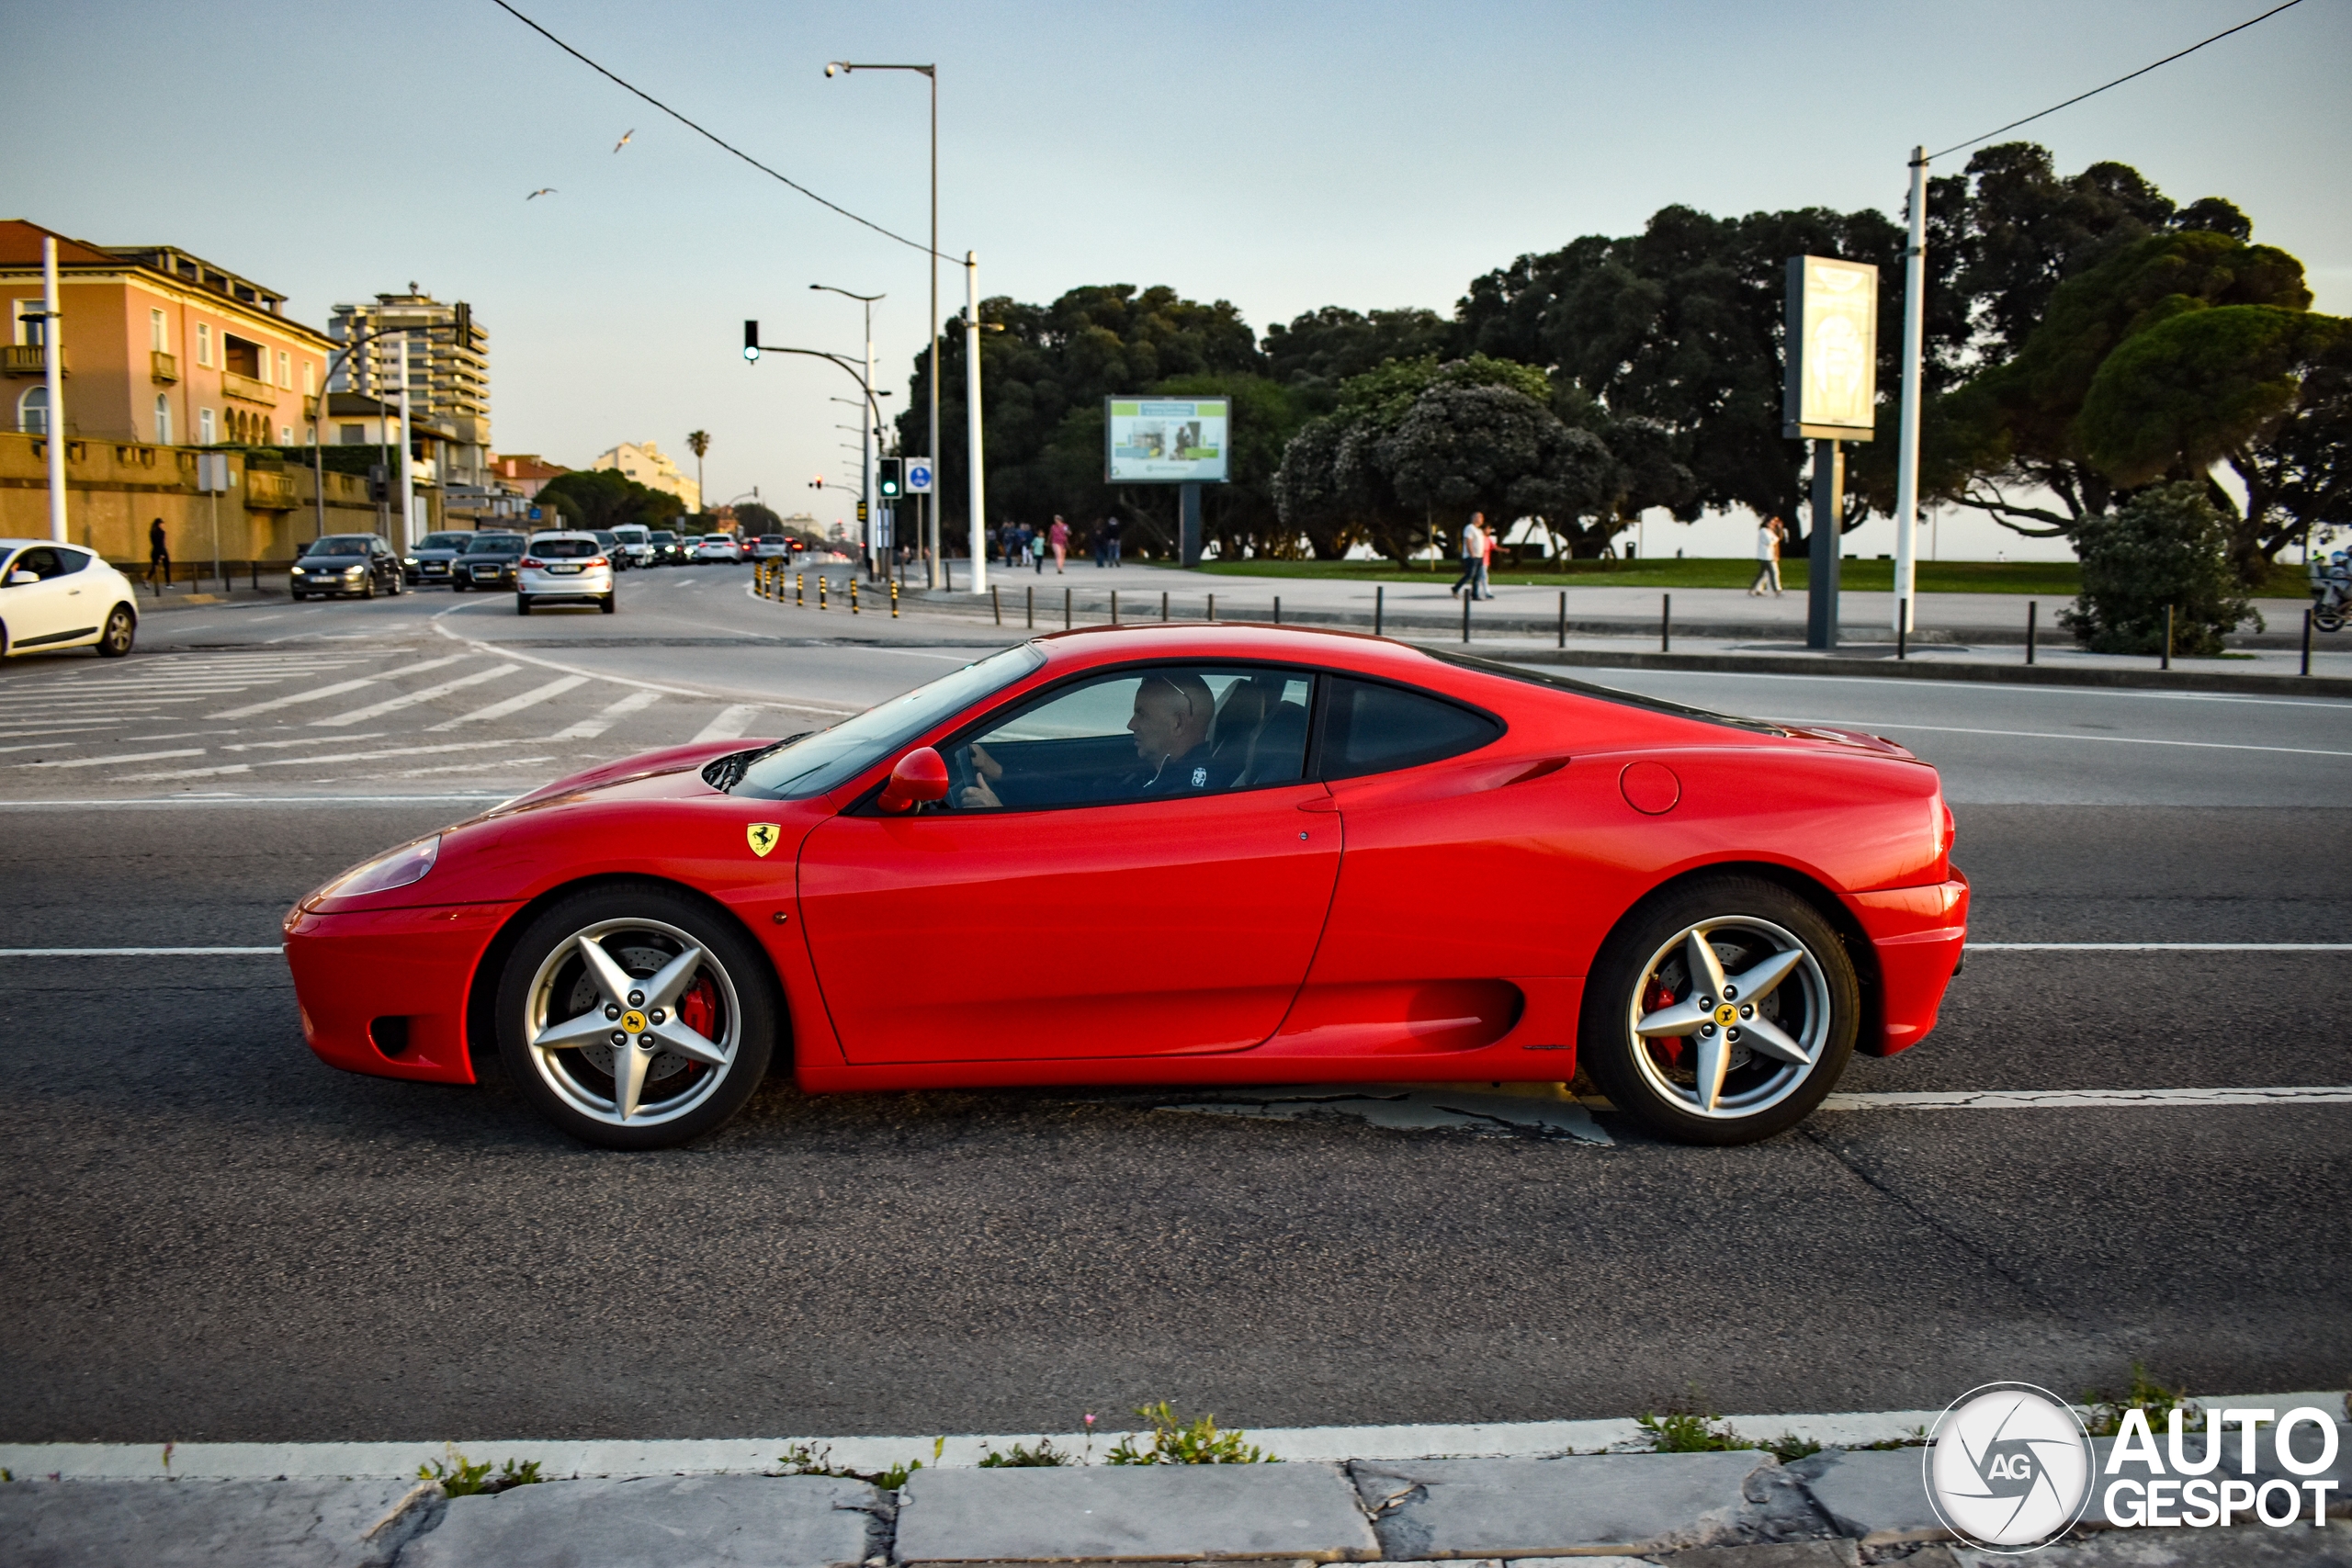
[(1831, 392), (1166, 440)]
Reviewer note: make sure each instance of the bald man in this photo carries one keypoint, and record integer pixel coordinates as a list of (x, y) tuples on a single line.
[(1171, 723)]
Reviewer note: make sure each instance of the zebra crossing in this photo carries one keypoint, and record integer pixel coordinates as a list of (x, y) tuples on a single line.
[(335, 717)]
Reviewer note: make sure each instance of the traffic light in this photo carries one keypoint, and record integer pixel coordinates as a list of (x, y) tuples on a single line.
[(817, 484), (886, 484), (750, 340), (379, 482)]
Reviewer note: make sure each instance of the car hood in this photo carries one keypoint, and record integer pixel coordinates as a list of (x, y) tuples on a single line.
[(672, 772)]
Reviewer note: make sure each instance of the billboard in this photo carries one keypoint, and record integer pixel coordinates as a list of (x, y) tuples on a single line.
[(1166, 440), (1831, 392)]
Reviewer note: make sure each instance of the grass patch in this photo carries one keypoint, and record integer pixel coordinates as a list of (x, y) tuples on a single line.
[(1175, 1442), (2104, 1417), (462, 1478), (801, 1459), (1024, 1456), (2048, 580)]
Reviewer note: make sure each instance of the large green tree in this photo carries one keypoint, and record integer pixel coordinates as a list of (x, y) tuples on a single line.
[(602, 497)]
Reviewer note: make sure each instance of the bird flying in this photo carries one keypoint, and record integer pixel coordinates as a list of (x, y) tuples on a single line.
[(624, 141), (543, 190)]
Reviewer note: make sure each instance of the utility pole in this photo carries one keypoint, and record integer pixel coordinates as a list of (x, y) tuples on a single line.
[(52, 358), (1907, 457), (971, 418)]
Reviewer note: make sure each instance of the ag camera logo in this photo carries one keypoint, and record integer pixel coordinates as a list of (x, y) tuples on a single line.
[(2010, 1468)]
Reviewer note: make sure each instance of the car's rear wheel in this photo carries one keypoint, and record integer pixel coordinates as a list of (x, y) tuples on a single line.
[(458, 587), (367, 586), (522, 603), (636, 1017), (121, 631), (608, 604), (1721, 1013)]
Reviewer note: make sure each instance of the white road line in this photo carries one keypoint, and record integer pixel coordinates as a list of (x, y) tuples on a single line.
[(136, 952), (589, 728), (321, 695), (2160, 947), (509, 650), (516, 704), (422, 694), (307, 740), (313, 760), (730, 723), (2110, 739), (102, 761), (2072, 1098), (467, 767), (175, 801)]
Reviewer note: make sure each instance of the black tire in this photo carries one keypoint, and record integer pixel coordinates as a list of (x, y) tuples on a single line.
[(119, 635), (400, 585), (640, 926), (522, 603), (608, 604), (368, 585), (304, 598), (2328, 620), (458, 587), (1643, 970)]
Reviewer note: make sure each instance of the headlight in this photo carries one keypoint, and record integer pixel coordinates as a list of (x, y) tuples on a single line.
[(404, 865), (353, 570)]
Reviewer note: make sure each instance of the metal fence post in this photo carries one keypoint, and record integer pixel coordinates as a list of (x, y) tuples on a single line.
[(1379, 606), (1114, 606), (1666, 623), (1164, 604), (2032, 613), (2307, 642), (1902, 628), (1278, 609), (996, 603), (1466, 616), (1065, 609), (1211, 607), (1029, 605), (2168, 663), (1564, 617)]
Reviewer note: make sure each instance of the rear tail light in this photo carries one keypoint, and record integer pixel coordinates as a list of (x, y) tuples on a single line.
[(596, 560), (533, 562)]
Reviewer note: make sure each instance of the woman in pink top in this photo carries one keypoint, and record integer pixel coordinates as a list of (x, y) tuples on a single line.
[(1060, 536)]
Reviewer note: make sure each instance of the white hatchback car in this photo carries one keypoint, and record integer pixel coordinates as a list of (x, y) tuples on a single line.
[(716, 547), (559, 568), (64, 596)]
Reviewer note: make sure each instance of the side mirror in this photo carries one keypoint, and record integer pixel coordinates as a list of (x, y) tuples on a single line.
[(27, 579), (921, 775)]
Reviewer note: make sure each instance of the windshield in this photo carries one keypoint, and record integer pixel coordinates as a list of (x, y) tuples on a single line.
[(633, 534), (339, 545), (811, 764), (663, 536), (498, 544), (449, 541)]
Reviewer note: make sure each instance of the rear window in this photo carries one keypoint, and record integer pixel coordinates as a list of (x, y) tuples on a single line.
[(566, 549), (340, 544), (496, 545), (445, 541), (1372, 728)]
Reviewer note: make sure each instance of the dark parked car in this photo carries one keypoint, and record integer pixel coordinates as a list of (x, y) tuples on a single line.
[(614, 551), (668, 549), (363, 565), (429, 562), (488, 563)]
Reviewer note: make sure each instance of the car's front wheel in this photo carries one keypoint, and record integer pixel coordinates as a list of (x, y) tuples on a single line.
[(1721, 1013), (121, 631), (636, 1017)]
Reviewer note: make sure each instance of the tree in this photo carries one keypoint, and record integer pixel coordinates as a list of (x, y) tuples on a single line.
[(698, 443), (1493, 449), (600, 499), (751, 517), (1317, 351), (2168, 547)]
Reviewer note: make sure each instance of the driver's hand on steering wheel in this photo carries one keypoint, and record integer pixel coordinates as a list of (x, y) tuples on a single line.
[(985, 770)]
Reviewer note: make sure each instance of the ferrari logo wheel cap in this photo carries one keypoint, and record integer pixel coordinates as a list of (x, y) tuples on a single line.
[(761, 837)]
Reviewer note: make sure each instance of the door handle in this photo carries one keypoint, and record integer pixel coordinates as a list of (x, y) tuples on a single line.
[(1325, 804)]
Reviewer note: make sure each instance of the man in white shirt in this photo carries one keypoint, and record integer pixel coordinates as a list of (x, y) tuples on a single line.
[(1769, 535), (1474, 555)]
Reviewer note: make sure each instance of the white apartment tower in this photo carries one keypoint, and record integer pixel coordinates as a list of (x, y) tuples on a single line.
[(449, 371)]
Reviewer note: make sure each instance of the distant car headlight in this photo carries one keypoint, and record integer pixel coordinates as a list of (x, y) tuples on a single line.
[(407, 864), (353, 570)]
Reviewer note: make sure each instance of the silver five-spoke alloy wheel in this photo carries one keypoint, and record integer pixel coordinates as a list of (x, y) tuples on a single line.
[(1731, 1017), (613, 1022)]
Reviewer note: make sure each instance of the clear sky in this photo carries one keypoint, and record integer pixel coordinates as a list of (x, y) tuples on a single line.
[(1282, 156)]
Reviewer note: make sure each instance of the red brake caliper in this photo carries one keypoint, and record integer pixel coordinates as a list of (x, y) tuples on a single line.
[(1667, 1046), (698, 1009)]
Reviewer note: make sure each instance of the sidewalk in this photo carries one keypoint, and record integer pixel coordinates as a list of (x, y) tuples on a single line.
[(657, 1504)]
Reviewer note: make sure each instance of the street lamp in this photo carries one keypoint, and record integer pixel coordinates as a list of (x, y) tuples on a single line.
[(931, 504), (865, 458)]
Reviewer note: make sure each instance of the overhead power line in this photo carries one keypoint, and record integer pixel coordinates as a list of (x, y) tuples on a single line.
[(708, 136), (2078, 97)]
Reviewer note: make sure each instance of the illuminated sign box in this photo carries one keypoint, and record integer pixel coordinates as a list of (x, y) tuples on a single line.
[(1831, 390), (1166, 440)]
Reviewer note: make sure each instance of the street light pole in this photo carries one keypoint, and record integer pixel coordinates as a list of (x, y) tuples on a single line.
[(864, 453), (931, 502), (52, 371), (1907, 457), (972, 419)]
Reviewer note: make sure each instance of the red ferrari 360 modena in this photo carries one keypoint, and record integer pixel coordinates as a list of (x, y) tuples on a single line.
[(1199, 855)]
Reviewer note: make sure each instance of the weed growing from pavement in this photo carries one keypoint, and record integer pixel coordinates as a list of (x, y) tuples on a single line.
[(1173, 1441), (801, 1459), (1691, 1432), (1024, 1456), (2104, 1417), (460, 1478)]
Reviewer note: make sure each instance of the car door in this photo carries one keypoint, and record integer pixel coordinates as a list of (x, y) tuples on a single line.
[(1091, 899), (52, 609)]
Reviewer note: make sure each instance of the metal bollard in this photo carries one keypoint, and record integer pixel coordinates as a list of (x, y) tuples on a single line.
[(2307, 642), (1666, 623), (1564, 617), (1114, 606), (800, 585), (1065, 609), (1278, 609), (1212, 608), (1465, 617), (1902, 629), (853, 594), (894, 598), (2032, 614), (2168, 663), (996, 602), (1379, 608), (1029, 602), (1163, 604), (822, 581)]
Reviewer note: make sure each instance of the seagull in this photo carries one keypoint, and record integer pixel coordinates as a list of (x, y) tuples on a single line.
[(543, 190), (624, 141)]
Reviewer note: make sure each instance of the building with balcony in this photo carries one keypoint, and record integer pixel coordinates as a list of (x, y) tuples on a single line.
[(645, 464), (448, 369), (158, 346), (524, 472)]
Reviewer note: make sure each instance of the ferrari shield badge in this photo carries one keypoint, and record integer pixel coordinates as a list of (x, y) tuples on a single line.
[(763, 837)]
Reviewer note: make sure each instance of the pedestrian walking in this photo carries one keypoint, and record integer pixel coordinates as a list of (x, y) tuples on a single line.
[(1768, 535), (159, 553), (1491, 536), (1059, 537), (1112, 528), (1473, 555)]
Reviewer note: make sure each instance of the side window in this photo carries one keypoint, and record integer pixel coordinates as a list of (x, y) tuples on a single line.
[(1138, 735), (69, 562), (1370, 728), (40, 561)]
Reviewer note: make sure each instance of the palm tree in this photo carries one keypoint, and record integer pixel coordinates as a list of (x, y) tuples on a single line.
[(699, 442)]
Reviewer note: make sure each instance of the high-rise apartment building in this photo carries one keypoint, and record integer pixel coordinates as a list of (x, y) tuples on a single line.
[(449, 371), (647, 464)]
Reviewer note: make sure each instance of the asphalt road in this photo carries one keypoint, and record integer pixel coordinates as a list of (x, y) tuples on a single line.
[(206, 1235)]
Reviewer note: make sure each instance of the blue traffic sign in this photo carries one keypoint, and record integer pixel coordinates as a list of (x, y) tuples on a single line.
[(919, 476)]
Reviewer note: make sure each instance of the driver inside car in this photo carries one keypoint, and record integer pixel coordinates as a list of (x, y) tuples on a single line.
[(1173, 715)]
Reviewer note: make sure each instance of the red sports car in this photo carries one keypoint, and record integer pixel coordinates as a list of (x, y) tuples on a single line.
[(1202, 854)]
